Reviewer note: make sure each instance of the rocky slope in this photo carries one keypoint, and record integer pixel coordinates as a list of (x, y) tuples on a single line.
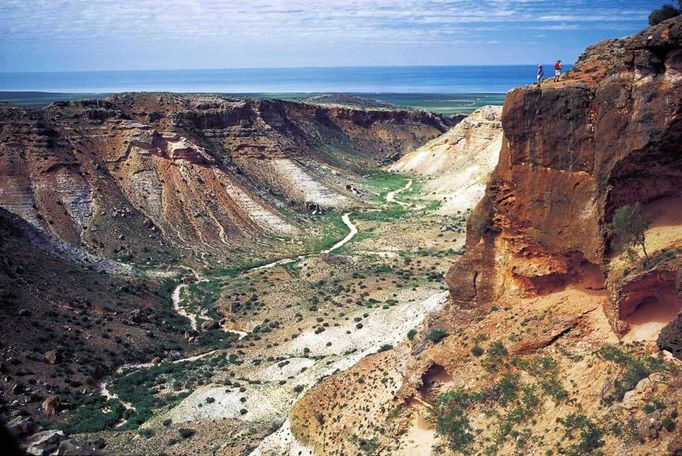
[(459, 162), (550, 341), (66, 323), (104, 204), (151, 178)]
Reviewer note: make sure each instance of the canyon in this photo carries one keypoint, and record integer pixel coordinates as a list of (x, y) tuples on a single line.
[(198, 274)]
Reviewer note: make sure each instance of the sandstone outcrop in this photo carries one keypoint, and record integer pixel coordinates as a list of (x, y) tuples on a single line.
[(608, 134)]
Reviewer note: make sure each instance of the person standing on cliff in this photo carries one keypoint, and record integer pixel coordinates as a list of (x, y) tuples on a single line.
[(541, 74), (557, 70)]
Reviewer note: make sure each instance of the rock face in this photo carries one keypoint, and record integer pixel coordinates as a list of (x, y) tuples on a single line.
[(670, 337), (151, 174), (458, 162), (44, 443), (572, 153)]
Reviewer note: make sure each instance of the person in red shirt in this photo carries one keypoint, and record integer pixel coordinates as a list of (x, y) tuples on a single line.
[(557, 70)]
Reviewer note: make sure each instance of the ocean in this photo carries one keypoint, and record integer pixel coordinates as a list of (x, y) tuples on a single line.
[(437, 88), (436, 79)]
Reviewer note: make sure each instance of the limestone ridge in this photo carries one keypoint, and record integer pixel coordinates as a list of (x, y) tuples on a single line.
[(607, 135), (459, 162), (171, 173)]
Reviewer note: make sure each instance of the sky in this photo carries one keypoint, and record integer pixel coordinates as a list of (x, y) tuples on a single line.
[(72, 35)]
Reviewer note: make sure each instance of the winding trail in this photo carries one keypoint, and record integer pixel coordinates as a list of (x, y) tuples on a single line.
[(353, 231), (175, 297), (346, 352), (113, 396), (194, 318), (390, 196)]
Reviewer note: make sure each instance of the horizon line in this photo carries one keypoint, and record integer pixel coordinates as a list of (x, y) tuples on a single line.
[(276, 68)]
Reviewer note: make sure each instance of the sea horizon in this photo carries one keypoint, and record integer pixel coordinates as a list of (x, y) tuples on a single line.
[(443, 79)]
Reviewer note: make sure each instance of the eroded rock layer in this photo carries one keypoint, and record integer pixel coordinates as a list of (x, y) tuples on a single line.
[(138, 176), (607, 135)]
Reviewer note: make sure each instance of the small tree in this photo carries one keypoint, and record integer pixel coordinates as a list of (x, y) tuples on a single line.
[(665, 12), (629, 227)]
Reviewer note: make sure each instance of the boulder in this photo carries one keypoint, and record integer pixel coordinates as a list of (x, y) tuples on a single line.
[(52, 406), (74, 448), (209, 325), (18, 388), (21, 426), (670, 337), (44, 443), (650, 425), (53, 356)]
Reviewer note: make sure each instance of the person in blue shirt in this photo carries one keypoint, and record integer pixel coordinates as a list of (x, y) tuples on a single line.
[(541, 74)]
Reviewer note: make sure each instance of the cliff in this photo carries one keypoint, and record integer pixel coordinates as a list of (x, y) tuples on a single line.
[(458, 163), (555, 340), (606, 135), (148, 178)]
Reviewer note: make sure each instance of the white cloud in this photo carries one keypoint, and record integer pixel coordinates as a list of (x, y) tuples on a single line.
[(262, 25)]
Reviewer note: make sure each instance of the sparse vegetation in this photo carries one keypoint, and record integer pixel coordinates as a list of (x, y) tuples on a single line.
[(629, 227), (436, 335), (666, 11)]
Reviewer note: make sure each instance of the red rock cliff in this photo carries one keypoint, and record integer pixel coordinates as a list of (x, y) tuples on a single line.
[(608, 134)]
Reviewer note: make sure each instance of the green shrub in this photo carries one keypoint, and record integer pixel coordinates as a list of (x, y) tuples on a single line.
[(553, 387), (452, 422), (476, 350), (651, 407), (508, 387), (436, 335), (668, 424), (411, 333), (494, 355), (146, 432), (659, 15), (186, 433), (590, 435)]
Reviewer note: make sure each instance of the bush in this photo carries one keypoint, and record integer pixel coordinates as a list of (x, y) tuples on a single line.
[(436, 335), (665, 12), (452, 422), (476, 350), (146, 432), (186, 433), (629, 226), (590, 435), (494, 354), (411, 333), (669, 424), (385, 347)]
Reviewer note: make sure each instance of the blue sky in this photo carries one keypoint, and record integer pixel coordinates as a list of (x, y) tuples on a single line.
[(62, 35)]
